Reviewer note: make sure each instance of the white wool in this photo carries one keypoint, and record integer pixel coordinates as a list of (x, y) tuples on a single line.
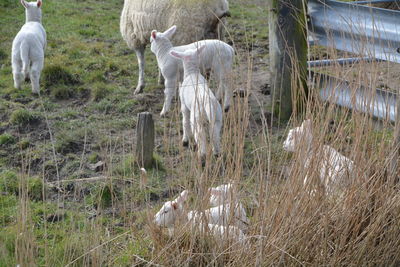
[(198, 104), (217, 58), (221, 232), (334, 168), (226, 214), (220, 194), (28, 47), (140, 17)]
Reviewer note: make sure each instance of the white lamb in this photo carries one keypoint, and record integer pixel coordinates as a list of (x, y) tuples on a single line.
[(217, 58), (28, 47), (172, 211), (334, 168), (200, 19), (198, 103)]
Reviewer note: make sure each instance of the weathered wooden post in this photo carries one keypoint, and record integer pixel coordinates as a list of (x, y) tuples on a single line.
[(145, 140), (288, 55)]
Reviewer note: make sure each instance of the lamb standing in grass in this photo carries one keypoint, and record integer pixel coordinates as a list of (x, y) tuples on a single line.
[(28, 47), (171, 211), (217, 58), (334, 168), (198, 103), (200, 19)]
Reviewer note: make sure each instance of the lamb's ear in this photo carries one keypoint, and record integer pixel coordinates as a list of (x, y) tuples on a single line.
[(153, 34), (39, 3), (170, 32), (176, 54), (174, 205), (182, 197), (24, 3)]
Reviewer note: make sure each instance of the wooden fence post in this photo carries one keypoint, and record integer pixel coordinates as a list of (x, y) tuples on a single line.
[(288, 55), (145, 140)]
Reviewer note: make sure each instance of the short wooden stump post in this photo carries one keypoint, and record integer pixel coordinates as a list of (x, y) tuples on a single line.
[(145, 140)]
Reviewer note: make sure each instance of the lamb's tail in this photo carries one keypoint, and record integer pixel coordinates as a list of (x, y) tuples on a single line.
[(24, 49)]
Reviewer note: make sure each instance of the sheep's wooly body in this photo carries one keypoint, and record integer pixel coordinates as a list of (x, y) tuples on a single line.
[(196, 19)]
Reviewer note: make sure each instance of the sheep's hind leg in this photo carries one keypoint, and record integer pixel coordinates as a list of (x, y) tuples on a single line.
[(186, 126), (169, 92), (17, 74), (35, 70), (141, 62), (199, 136), (161, 79), (215, 136)]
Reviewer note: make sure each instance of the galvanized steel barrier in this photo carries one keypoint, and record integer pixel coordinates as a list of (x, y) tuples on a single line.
[(367, 31)]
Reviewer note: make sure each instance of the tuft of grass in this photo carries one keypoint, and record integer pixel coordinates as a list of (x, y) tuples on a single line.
[(6, 139), (58, 75), (99, 92), (24, 117), (3, 55), (35, 188), (9, 182)]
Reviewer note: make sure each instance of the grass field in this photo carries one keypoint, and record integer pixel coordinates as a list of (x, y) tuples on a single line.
[(57, 211)]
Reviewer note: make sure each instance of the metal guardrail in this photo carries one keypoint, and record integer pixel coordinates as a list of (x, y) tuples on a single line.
[(339, 61), (379, 103), (367, 31), (374, 2)]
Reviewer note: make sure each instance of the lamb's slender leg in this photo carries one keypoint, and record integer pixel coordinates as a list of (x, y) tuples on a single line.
[(223, 88), (199, 135), (219, 92), (161, 79), (169, 92), (35, 70), (140, 57), (215, 136), (186, 125), (17, 73)]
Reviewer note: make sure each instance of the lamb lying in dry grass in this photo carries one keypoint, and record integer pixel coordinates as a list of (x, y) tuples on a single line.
[(170, 213), (334, 168)]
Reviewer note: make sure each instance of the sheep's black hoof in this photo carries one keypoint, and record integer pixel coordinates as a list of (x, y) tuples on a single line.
[(226, 109), (216, 155), (27, 79), (203, 161), (185, 143), (139, 89)]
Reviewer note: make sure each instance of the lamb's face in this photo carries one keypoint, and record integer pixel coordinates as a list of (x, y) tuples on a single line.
[(170, 211), (297, 136), (158, 38), (167, 214), (33, 10)]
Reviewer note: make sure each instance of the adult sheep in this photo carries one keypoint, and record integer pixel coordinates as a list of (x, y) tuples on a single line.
[(196, 19)]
